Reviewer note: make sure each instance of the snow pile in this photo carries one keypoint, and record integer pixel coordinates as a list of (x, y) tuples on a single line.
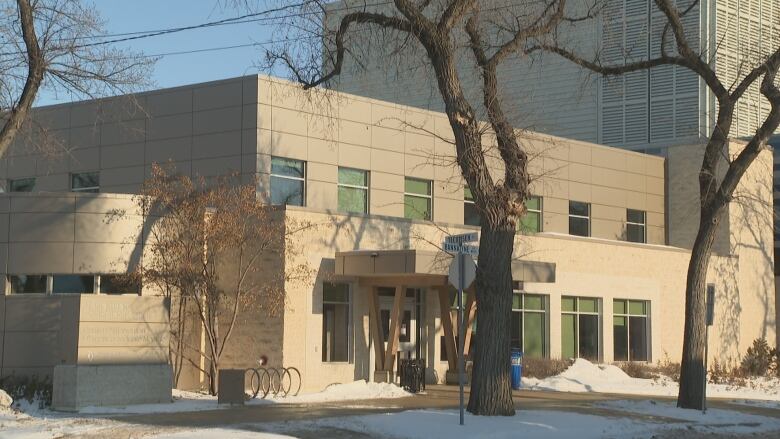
[(5, 399), (357, 390), (584, 376)]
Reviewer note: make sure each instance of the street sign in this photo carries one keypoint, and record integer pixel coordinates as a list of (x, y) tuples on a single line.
[(463, 270), (469, 272), (463, 237)]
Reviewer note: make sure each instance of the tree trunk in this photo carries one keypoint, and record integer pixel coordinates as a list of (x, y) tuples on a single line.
[(491, 390), (692, 371)]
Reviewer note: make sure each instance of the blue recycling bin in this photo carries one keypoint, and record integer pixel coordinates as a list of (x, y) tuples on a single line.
[(517, 368)]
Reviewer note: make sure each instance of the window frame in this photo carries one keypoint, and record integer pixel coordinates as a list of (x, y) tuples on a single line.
[(598, 313), (545, 312), (365, 188), (428, 197), (627, 314), (302, 179), (350, 326), (96, 283), (11, 182), (632, 223), (88, 189), (587, 218)]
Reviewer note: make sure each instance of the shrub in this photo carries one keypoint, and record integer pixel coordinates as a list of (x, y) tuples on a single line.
[(541, 368), (721, 373), (30, 388), (638, 370), (668, 368), (758, 359)]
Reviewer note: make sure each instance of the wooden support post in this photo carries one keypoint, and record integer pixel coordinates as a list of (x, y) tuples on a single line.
[(395, 327), (377, 336), (449, 332), (470, 311)]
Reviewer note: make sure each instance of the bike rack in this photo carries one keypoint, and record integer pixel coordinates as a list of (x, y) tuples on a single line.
[(276, 381)]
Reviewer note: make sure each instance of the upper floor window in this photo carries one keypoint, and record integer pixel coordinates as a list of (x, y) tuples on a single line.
[(353, 190), (21, 184), (470, 212), (636, 221), (28, 283), (73, 284), (531, 222), (579, 218), (85, 182), (418, 199), (288, 181)]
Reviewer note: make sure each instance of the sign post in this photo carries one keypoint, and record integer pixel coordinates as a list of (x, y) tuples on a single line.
[(461, 275), (710, 319)]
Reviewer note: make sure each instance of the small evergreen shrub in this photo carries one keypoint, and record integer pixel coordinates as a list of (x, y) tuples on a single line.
[(759, 359), (29, 388)]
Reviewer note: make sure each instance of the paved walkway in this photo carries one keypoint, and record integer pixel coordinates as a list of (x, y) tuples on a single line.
[(436, 397)]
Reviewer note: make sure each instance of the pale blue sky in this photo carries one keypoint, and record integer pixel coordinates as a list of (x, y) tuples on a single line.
[(140, 15)]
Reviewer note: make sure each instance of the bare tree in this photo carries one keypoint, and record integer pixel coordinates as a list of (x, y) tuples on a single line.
[(57, 44), (716, 188), (446, 32), (218, 253)]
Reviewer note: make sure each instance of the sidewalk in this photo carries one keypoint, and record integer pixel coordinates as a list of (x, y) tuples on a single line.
[(436, 397)]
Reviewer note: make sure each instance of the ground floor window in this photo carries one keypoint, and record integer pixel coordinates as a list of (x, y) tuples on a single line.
[(630, 330), (74, 284), (529, 324), (335, 322), (580, 327)]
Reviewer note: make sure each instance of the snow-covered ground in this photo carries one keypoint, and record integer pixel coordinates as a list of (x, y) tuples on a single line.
[(584, 376), (623, 418), (530, 424)]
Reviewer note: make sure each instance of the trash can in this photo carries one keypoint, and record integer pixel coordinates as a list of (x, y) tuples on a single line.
[(517, 368)]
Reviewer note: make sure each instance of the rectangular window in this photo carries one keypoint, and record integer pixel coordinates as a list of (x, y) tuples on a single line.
[(635, 226), (418, 199), (72, 284), (470, 213), (579, 218), (119, 284), (21, 185), (630, 330), (335, 322), (85, 182), (531, 222), (288, 181), (580, 323), (28, 284), (529, 324), (353, 190)]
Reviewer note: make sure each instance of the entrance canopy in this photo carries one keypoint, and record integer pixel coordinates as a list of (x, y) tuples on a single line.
[(405, 268), (425, 267)]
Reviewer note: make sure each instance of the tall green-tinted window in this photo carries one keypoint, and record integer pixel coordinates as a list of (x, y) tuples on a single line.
[(335, 322), (580, 323), (288, 181), (418, 199), (470, 212), (630, 330), (531, 222), (529, 324), (353, 190)]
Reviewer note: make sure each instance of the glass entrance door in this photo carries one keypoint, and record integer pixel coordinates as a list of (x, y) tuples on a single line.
[(409, 330)]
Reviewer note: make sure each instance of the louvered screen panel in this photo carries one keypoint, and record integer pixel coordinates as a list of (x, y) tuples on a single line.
[(612, 125), (661, 119), (636, 123), (686, 117)]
